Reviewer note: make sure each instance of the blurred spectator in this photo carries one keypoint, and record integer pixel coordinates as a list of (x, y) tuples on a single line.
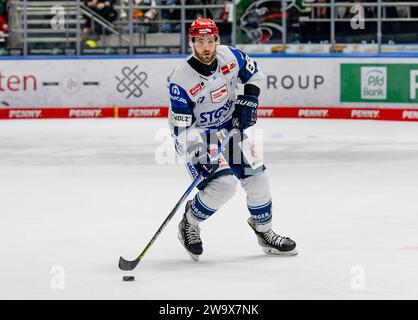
[(341, 12), (104, 8), (192, 14), (370, 12), (4, 26), (402, 11), (322, 28), (87, 31), (142, 18), (91, 4), (170, 14), (4, 4), (414, 12), (322, 12), (214, 13)]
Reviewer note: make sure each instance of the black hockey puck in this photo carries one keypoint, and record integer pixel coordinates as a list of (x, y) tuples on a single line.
[(128, 278)]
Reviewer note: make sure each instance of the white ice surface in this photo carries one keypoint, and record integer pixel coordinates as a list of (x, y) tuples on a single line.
[(80, 193)]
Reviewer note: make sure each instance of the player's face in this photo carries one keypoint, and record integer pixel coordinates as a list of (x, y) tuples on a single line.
[(205, 48)]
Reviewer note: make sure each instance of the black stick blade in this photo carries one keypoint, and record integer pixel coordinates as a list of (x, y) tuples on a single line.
[(127, 265)]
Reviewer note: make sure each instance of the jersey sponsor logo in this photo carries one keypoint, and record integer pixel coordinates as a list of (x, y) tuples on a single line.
[(220, 94), (175, 90), (225, 69), (212, 117), (192, 170), (177, 98), (195, 90), (410, 115), (228, 68), (311, 113), (176, 94), (365, 114), (181, 120)]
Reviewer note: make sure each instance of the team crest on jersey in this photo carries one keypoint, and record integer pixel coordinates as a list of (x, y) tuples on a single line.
[(195, 90), (220, 94), (232, 66)]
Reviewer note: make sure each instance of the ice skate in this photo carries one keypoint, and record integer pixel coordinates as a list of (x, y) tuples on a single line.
[(189, 236), (272, 243)]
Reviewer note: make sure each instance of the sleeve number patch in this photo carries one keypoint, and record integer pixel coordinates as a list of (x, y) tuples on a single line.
[(250, 65)]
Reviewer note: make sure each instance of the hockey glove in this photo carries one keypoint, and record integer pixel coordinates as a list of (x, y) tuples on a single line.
[(245, 113), (202, 161)]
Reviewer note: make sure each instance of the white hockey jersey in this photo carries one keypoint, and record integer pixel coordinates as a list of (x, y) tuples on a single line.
[(204, 102)]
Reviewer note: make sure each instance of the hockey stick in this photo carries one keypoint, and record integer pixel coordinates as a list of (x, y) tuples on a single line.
[(129, 265)]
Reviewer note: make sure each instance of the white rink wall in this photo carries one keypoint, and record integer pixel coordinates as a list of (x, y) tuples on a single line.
[(378, 82), (378, 87)]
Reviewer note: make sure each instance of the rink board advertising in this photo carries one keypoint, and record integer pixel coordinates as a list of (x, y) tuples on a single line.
[(389, 83), (335, 88)]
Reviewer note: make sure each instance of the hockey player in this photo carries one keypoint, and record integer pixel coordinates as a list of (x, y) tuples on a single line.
[(203, 106)]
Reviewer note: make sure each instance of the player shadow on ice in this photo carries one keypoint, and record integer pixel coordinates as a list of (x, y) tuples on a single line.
[(187, 264)]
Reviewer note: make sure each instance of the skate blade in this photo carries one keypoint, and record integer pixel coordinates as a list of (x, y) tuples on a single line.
[(272, 251), (193, 256)]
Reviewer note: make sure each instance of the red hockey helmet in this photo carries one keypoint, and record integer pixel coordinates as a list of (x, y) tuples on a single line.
[(203, 27)]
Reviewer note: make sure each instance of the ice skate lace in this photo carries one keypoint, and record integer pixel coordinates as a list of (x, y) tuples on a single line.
[(273, 238), (192, 234)]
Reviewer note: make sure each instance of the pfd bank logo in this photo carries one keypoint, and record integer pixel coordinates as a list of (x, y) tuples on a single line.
[(373, 83)]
